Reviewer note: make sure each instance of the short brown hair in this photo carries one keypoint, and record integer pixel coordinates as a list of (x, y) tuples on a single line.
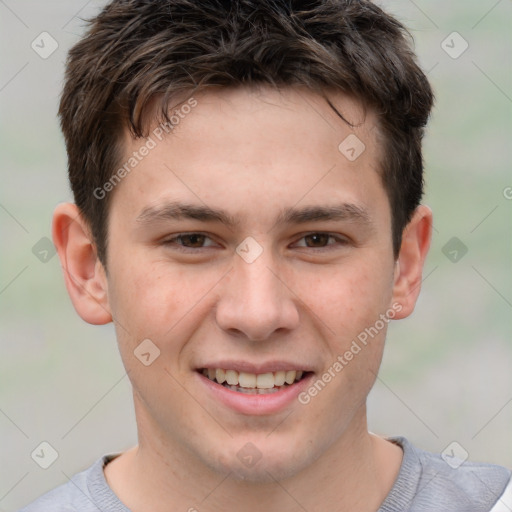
[(138, 51)]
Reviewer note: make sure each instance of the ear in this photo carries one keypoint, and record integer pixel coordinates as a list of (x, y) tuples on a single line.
[(409, 265), (84, 274)]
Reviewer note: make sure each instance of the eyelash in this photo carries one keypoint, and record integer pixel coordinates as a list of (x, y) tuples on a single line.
[(183, 248)]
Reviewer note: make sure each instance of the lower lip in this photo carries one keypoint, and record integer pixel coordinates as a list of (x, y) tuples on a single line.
[(244, 403)]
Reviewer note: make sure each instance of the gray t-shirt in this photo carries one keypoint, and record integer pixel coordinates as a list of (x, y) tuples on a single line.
[(425, 483)]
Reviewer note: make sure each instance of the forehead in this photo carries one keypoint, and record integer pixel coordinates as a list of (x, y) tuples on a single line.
[(308, 114), (274, 146)]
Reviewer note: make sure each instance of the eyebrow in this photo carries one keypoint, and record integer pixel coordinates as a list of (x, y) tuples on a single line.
[(177, 211), (340, 212)]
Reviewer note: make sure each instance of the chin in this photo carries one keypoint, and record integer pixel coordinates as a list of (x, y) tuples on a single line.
[(265, 465), (264, 472)]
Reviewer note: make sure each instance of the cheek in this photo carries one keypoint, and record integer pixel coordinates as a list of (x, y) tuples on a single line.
[(348, 298), (159, 301), (349, 304)]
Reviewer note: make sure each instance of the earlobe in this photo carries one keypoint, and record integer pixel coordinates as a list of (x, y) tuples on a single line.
[(84, 274), (409, 265)]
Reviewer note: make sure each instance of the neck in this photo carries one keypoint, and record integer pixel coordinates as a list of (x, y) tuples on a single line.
[(355, 473)]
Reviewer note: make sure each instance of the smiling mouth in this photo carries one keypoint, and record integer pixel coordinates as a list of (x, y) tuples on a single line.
[(251, 383)]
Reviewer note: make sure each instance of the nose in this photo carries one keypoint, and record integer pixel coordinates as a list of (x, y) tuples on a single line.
[(256, 301)]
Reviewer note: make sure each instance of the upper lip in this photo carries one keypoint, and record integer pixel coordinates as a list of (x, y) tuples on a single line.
[(257, 368)]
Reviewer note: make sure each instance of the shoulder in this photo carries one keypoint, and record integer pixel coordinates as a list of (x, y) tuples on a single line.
[(444, 481), (73, 496)]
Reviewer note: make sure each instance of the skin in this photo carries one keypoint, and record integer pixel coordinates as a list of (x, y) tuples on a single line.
[(253, 153)]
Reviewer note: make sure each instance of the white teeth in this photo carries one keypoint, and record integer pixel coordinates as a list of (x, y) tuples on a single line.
[(232, 377), (247, 380), (251, 381), (290, 376), (264, 381), (279, 378), (220, 375)]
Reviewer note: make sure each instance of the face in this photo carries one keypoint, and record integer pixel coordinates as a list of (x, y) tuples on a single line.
[(245, 240)]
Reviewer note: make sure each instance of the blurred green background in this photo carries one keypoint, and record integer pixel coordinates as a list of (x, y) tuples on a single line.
[(447, 370)]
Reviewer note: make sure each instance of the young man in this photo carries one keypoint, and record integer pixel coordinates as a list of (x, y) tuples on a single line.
[(247, 178)]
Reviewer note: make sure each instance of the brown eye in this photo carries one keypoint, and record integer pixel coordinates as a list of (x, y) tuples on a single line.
[(194, 240), (317, 240), (321, 240), (189, 242)]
